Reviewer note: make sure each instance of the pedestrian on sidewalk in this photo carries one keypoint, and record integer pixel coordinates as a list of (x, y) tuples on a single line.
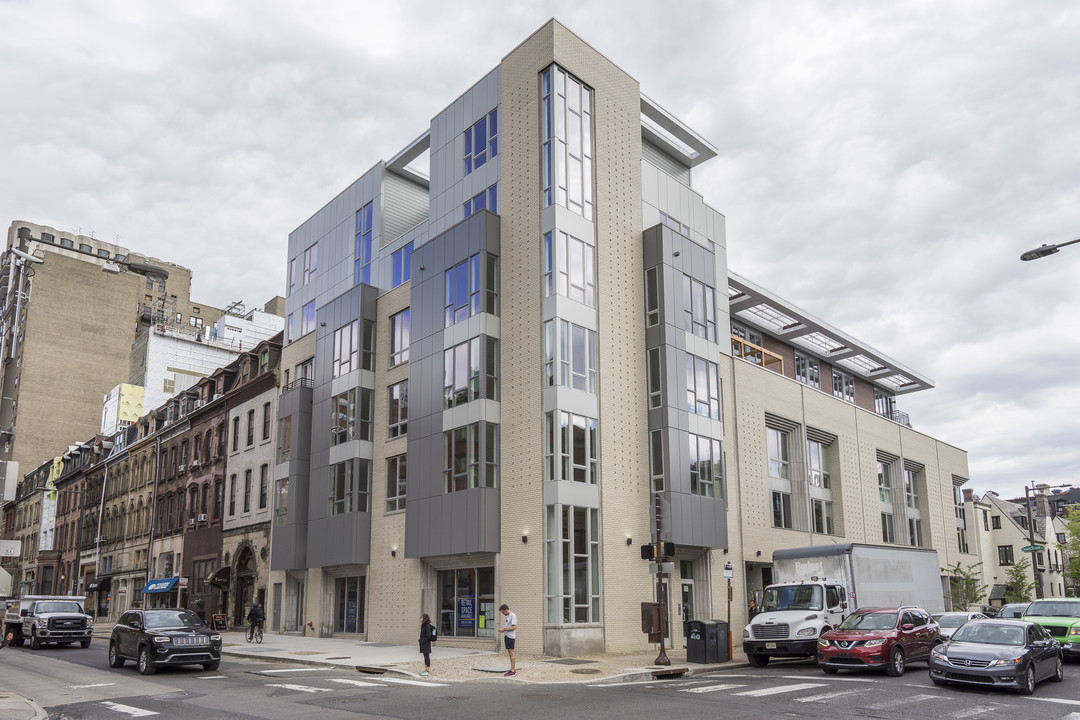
[(509, 632), (426, 631), (255, 618)]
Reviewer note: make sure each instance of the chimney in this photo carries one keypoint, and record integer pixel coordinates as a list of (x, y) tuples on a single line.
[(1042, 504)]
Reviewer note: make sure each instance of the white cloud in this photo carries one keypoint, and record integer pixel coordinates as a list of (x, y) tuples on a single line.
[(881, 164)]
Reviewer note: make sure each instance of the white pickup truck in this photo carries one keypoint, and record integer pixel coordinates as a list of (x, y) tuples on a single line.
[(42, 619), (819, 586)]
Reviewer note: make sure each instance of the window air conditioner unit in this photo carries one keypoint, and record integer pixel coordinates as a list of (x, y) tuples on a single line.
[(183, 467), (202, 517), (191, 521)]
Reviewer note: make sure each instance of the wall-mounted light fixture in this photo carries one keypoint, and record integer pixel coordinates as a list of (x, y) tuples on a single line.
[(524, 537), (421, 267), (759, 553), (676, 254), (629, 540), (393, 550)]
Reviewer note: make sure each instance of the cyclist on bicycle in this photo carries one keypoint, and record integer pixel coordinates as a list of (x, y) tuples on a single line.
[(255, 618)]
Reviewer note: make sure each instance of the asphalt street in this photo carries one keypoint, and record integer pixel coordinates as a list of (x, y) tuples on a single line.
[(72, 683)]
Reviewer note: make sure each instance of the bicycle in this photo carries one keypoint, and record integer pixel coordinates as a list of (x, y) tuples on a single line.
[(255, 632)]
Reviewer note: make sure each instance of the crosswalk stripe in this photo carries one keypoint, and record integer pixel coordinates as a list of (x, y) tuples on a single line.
[(1061, 701), (620, 684), (128, 710), (82, 687), (904, 701), (827, 696), (711, 688), (973, 711), (782, 689), (421, 683), (357, 683), (834, 679), (211, 677), (1071, 716), (298, 688)]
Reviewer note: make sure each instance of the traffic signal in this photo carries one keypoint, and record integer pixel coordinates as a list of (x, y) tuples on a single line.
[(665, 550)]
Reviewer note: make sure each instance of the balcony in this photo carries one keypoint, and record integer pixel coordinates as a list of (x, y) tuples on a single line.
[(898, 417), (756, 354)]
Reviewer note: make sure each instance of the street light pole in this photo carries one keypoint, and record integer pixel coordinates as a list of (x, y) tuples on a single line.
[(1031, 543), (1044, 250)]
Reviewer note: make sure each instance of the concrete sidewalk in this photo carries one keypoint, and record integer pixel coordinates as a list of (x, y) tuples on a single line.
[(454, 664)]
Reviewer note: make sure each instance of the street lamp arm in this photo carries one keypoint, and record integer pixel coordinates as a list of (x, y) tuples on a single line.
[(1044, 250)]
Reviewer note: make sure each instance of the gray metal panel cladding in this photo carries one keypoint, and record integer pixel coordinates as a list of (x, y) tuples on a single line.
[(437, 522)]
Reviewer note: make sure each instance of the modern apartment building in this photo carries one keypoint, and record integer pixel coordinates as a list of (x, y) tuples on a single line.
[(494, 368)]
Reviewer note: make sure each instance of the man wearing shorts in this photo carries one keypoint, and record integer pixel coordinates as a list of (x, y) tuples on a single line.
[(509, 632)]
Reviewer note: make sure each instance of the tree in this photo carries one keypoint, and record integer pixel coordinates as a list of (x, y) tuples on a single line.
[(1071, 550), (964, 585), (1018, 587)]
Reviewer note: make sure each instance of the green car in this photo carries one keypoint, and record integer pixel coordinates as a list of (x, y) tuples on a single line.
[(1061, 618)]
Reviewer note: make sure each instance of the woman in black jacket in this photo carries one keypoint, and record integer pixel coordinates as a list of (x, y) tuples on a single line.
[(425, 642)]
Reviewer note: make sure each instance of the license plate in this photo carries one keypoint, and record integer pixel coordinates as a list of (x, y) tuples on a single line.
[(770, 646)]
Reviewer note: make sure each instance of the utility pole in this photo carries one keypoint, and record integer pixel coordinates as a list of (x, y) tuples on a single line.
[(662, 658)]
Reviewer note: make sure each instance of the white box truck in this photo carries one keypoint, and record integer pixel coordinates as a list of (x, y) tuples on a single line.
[(817, 587)]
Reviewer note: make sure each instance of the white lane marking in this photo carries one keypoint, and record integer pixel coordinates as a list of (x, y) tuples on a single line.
[(904, 701), (827, 696), (1070, 716), (1062, 701), (712, 688), (358, 683), (298, 688), (725, 676), (82, 687), (839, 679), (783, 689), (211, 677), (421, 683), (976, 710), (286, 670), (632, 682), (128, 710)]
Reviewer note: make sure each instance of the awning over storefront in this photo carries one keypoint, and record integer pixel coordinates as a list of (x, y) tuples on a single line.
[(99, 584), (220, 577), (157, 586)]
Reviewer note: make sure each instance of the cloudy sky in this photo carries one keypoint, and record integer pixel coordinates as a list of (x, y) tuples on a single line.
[(882, 165)]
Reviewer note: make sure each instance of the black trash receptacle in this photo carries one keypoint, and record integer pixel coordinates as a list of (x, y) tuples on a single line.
[(696, 642), (716, 638)]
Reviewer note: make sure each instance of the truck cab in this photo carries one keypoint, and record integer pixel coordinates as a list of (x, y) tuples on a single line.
[(792, 616), (42, 619)]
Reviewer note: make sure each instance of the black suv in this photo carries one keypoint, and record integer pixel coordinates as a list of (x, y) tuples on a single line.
[(168, 636)]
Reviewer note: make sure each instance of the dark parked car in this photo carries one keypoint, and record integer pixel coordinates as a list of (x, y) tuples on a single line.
[(1013, 610), (163, 637), (1012, 654), (878, 638)]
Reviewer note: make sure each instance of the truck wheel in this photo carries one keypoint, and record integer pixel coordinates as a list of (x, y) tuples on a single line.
[(146, 665), (896, 663), (757, 660), (115, 660), (35, 644)]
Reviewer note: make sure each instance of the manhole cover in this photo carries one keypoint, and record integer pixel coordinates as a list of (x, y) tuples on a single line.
[(571, 661), (585, 671)]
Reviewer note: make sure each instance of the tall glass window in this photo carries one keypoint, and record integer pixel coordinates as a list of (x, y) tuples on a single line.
[(346, 349), (699, 309), (311, 263), (350, 486), (807, 370), (398, 401), (468, 463), (567, 153), (351, 416), (702, 387), (884, 481), (349, 604), (911, 488), (571, 448), (467, 602), (307, 318), (843, 386), (482, 141), (569, 268), (396, 473), (399, 337), (364, 249), (706, 467), (572, 559), (778, 443), (483, 200), (652, 297), (575, 347), (655, 372), (461, 373), (470, 291), (401, 266), (817, 463)]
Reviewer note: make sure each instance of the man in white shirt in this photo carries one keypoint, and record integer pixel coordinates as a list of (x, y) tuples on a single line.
[(509, 632)]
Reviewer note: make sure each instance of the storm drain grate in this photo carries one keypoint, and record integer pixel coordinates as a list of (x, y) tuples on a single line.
[(454, 698), (346, 701)]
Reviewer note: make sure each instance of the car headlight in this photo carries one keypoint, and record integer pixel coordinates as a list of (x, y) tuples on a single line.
[(162, 639), (218, 637), (874, 643), (938, 651), (745, 633), (807, 632), (823, 642), (1074, 631), (41, 622), (1005, 662)]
